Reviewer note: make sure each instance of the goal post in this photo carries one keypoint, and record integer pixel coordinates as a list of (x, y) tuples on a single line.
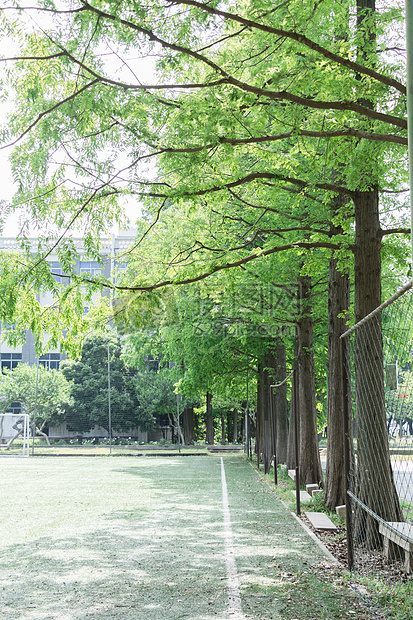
[(14, 433)]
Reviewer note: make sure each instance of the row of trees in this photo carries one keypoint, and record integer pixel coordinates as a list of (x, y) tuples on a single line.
[(78, 393), (269, 154)]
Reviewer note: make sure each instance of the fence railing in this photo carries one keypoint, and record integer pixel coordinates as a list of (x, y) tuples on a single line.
[(378, 381)]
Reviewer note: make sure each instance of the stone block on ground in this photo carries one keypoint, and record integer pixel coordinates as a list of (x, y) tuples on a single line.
[(311, 488), (341, 511), (320, 521), (304, 496)]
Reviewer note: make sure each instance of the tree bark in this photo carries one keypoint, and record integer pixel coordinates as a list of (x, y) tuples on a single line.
[(209, 420), (235, 425), (258, 415), (280, 403), (338, 304), (223, 429), (309, 457), (263, 411), (292, 460), (375, 483), (338, 308), (269, 412), (188, 425)]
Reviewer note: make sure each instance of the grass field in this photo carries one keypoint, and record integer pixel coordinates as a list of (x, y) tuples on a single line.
[(151, 539)]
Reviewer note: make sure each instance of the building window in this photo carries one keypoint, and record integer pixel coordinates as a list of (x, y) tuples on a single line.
[(90, 267), (10, 360), (15, 408), (50, 361), (56, 269)]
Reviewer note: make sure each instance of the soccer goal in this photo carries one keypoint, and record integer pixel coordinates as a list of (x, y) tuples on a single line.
[(14, 432)]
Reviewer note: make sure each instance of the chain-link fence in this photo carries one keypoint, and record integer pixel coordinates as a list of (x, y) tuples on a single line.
[(378, 367)]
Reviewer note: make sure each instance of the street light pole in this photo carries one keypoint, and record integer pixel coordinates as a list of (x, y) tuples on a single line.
[(109, 404), (35, 403), (179, 426)]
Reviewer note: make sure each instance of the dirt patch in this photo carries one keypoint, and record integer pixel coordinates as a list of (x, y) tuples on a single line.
[(335, 541)]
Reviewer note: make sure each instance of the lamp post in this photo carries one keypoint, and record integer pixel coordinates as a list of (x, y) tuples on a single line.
[(179, 426), (35, 403), (109, 404)]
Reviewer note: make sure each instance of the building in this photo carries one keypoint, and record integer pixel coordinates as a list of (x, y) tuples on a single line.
[(26, 354)]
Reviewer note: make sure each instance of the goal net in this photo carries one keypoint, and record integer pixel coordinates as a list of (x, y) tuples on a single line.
[(14, 434)]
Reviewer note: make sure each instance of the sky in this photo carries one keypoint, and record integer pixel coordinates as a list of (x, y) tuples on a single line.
[(143, 67)]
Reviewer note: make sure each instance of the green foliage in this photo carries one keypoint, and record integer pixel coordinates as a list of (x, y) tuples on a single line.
[(89, 377), (156, 397), (43, 393), (248, 161), (247, 158)]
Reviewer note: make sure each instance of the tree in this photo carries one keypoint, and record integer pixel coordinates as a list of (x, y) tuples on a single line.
[(43, 394), (192, 334), (310, 464), (241, 123), (157, 398), (338, 306), (89, 378)]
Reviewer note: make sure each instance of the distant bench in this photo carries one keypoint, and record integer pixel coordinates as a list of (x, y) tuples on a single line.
[(397, 534)]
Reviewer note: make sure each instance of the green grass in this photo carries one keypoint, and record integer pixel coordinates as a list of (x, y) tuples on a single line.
[(143, 539), (395, 602), (42, 449)]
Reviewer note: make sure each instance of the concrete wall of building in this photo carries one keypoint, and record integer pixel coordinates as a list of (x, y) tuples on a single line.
[(26, 354)]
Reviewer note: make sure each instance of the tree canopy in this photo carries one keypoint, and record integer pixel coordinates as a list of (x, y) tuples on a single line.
[(44, 394), (254, 119), (99, 369), (268, 146)]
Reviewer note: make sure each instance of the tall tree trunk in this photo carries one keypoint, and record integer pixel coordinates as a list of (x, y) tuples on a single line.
[(223, 429), (375, 477), (271, 369), (235, 425), (294, 409), (338, 304), (209, 420), (258, 415), (375, 482), (188, 425), (338, 307), (310, 463), (280, 403), (269, 412), (264, 411)]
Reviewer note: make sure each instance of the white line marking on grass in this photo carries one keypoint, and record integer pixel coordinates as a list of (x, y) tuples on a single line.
[(234, 598)]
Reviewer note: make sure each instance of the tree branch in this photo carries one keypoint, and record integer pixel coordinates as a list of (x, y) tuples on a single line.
[(299, 38), (395, 231), (249, 178), (230, 265), (273, 95), (340, 133), (49, 111)]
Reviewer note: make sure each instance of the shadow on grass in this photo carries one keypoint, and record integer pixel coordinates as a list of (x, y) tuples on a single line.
[(156, 549)]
